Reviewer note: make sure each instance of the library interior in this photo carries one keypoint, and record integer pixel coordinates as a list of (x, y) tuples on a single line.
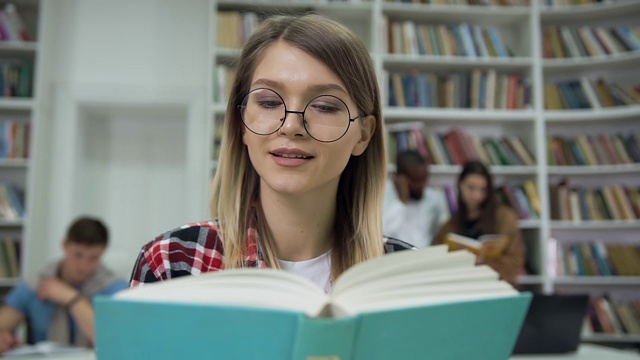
[(510, 134)]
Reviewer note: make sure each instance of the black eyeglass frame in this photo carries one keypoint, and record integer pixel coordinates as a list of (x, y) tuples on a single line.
[(301, 113)]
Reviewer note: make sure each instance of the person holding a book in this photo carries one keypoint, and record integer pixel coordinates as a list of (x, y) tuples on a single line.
[(300, 178), (480, 214), (58, 306), (412, 211)]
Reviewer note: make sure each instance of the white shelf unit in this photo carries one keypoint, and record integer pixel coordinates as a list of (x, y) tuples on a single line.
[(8, 282), (22, 110), (395, 114), (620, 68), (595, 225), (7, 103), (598, 280), (521, 29), (623, 169)]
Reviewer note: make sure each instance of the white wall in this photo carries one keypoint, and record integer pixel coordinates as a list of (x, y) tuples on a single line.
[(119, 77), (142, 42)]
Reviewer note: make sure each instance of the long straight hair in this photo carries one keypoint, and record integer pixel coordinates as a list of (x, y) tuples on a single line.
[(488, 208), (236, 185)]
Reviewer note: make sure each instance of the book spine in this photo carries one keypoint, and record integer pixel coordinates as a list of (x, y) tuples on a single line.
[(325, 338)]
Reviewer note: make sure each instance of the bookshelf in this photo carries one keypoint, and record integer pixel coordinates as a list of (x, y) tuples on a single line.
[(520, 29), (600, 119), (18, 62)]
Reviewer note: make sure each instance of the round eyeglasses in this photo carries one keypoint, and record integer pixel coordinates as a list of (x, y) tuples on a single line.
[(326, 118)]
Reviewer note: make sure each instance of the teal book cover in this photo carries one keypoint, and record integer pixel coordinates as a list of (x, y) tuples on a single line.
[(477, 329)]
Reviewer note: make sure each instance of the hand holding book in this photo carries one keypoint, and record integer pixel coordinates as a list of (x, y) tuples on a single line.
[(489, 246)]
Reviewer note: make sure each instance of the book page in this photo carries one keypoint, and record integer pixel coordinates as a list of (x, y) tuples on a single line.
[(402, 279), (393, 284), (463, 241), (395, 263), (417, 278), (444, 286), (497, 290), (260, 288)]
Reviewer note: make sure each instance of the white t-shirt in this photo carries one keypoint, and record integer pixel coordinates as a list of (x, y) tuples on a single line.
[(415, 222), (316, 270)]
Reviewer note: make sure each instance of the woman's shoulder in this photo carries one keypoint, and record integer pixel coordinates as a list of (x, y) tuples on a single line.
[(507, 220), (190, 249), (190, 235), (189, 232)]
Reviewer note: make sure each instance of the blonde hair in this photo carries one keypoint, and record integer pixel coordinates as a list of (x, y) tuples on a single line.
[(235, 188)]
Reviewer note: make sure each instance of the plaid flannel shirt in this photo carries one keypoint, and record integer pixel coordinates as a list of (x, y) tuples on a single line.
[(196, 248)]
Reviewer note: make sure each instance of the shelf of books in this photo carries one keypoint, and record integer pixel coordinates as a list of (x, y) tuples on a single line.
[(18, 52), (595, 169), (612, 319), (589, 60), (546, 92), (595, 224)]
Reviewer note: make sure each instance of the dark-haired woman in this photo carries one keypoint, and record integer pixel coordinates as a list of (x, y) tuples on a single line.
[(479, 213)]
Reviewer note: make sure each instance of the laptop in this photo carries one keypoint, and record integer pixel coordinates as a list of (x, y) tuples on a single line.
[(553, 324)]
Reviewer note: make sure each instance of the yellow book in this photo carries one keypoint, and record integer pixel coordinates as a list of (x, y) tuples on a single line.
[(552, 99), (556, 45), (490, 245), (398, 90), (623, 202), (588, 152), (532, 194)]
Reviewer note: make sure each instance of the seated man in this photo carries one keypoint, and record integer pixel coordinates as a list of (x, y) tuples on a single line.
[(412, 211), (58, 307)]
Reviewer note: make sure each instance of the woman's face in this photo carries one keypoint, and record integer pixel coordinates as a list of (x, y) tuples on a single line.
[(473, 190), (289, 161)]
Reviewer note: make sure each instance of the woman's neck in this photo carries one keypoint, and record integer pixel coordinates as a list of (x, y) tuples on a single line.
[(301, 225), (473, 214)]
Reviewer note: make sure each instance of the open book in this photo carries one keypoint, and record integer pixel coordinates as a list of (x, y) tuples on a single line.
[(490, 245), (406, 305)]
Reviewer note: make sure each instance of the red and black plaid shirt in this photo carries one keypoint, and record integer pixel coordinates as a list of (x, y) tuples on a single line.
[(196, 248)]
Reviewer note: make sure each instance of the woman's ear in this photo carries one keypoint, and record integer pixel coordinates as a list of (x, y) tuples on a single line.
[(367, 128)]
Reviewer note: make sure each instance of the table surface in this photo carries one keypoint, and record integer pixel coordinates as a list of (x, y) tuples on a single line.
[(585, 352)]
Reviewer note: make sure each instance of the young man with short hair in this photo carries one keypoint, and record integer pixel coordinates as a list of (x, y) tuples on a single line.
[(58, 307)]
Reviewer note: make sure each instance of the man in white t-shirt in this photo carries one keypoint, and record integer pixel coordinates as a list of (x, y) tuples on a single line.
[(412, 211)]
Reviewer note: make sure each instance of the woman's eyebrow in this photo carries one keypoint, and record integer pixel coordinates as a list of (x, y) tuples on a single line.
[(311, 88), (327, 87), (267, 82)]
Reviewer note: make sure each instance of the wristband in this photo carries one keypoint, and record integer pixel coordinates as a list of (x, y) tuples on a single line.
[(73, 301)]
